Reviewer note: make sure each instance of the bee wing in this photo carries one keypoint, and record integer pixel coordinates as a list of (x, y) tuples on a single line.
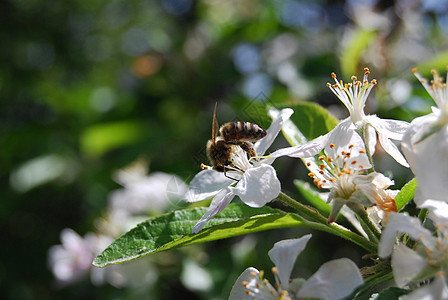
[(215, 125)]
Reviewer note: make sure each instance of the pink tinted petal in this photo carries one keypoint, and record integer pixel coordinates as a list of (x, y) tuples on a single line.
[(335, 279), (221, 200), (284, 255)]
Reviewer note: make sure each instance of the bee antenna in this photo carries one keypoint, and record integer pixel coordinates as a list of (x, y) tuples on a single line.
[(215, 125)]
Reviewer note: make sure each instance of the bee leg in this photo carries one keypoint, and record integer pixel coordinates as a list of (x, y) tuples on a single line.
[(225, 174), (249, 148)]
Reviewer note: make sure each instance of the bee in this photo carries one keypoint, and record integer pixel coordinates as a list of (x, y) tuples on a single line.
[(232, 134)]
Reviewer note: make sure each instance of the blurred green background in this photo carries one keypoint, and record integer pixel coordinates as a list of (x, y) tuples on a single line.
[(88, 87)]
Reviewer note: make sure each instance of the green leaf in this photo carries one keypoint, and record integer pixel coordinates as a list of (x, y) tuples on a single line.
[(309, 121), (406, 194), (101, 138), (353, 50), (312, 196), (174, 229)]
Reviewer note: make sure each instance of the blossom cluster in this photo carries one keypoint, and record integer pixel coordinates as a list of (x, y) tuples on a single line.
[(342, 162), (71, 261)]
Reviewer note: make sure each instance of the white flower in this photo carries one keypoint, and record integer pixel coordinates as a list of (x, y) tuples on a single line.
[(71, 261), (427, 259), (343, 171), (353, 96), (144, 192), (334, 280), (425, 145), (257, 180)]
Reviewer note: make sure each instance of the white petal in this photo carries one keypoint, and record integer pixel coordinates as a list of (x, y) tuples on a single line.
[(438, 211), (342, 137), (221, 200), (406, 264), (335, 279), (429, 165), (392, 150), (434, 291), (205, 185), (258, 290), (393, 129), (258, 186), (306, 150), (284, 255), (262, 145), (404, 224)]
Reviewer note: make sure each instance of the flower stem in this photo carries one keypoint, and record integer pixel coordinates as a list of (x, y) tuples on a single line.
[(315, 220), (371, 230)]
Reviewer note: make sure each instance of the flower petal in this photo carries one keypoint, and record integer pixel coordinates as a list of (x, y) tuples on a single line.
[(221, 200), (406, 264), (258, 186), (335, 279), (279, 117), (249, 286), (306, 150), (404, 224), (284, 255), (205, 185), (438, 211), (392, 150), (427, 158), (392, 129), (433, 291)]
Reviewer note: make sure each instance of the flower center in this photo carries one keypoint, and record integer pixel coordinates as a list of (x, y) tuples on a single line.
[(353, 95), (261, 288), (337, 171)]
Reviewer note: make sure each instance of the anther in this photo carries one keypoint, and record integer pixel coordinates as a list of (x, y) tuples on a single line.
[(322, 167), (308, 164), (333, 75), (362, 151), (354, 162), (414, 70), (329, 159), (332, 145), (321, 158)]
